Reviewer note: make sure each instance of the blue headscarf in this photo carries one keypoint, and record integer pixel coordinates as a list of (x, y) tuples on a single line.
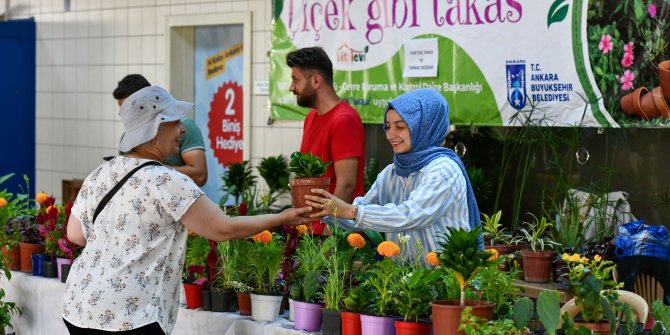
[(426, 114)]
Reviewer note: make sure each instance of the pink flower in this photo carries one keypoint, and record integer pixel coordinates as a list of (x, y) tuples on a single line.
[(628, 48), (627, 80), (627, 60), (606, 44), (652, 9)]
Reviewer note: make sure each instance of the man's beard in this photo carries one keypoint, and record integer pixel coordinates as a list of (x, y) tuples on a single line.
[(307, 98)]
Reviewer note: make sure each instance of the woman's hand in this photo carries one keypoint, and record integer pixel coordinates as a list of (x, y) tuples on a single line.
[(293, 216), (330, 205)]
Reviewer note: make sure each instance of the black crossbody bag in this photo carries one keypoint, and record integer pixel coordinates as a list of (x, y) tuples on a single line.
[(116, 187)]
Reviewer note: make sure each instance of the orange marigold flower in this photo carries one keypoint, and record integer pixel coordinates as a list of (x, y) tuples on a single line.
[(432, 258), (597, 258), (302, 229), (388, 249), (264, 237), (3, 202), (356, 240), (41, 197), (494, 256)]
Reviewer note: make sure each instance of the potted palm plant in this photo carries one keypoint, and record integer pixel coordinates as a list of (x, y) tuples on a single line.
[(236, 181), (461, 258), (307, 170), (537, 261)]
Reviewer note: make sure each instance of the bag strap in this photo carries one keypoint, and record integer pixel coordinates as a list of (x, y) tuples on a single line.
[(116, 187)]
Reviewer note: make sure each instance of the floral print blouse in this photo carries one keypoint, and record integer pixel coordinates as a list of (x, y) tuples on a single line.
[(128, 274)]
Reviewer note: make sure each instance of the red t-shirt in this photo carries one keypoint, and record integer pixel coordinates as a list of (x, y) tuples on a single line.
[(334, 136)]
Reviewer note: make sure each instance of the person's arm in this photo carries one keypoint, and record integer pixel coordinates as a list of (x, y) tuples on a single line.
[(346, 173), (74, 231), (206, 219), (195, 166)]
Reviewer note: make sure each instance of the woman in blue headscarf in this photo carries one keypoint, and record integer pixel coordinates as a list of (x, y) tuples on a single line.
[(423, 192)]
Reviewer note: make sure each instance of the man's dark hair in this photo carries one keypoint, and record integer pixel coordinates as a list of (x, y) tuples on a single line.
[(129, 85), (313, 58)]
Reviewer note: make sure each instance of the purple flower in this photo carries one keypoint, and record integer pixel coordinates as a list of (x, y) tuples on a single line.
[(652, 9)]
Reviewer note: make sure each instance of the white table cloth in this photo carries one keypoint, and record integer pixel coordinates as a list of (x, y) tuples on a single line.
[(41, 300)]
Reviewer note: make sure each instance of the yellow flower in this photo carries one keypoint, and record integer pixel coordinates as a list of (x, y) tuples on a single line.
[(3, 202), (388, 249), (41, 197), (565, 257), (302, 229), (597, 258), (583, 260), (432, 258), (356, 240), (264, 237), (494, 255), (575, 258)]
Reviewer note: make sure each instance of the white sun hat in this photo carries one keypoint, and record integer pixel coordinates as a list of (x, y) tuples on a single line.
[(144, 110)]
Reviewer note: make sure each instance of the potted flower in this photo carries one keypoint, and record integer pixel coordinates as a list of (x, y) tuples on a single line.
[(265, 257), (195, 259), (67, 249), (11, 206), (413, 294), (381, 280), (537, 261), (461, 258), (307, 170), (31, 242), (49, 225), (306, 290), (495, 236), (595, 292), (224, 298)]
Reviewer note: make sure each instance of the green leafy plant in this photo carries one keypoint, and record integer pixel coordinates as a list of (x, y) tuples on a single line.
[(311, 262), (382, 279), (414, 292), (306, 165), (661, 313), (274, 171), (460, 255), (231, 262), (493, 230), (337, 265), (359, 300), (7, 308), (236, 180), (536, 234), (497, 288), (473, 325), (549, 310)]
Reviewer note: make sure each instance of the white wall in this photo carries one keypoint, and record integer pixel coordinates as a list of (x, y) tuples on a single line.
[(83, 53)]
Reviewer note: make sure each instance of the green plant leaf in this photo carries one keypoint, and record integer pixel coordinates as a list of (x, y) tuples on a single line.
[(522, 312), (557, 13), (548, 310), (638, 9)]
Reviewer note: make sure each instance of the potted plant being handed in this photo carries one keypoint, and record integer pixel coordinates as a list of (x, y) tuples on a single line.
[(307, 170), (537, 261), (461, 258), (265, 257)]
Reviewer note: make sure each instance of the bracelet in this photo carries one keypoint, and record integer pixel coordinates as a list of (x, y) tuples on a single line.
[(354, 212)]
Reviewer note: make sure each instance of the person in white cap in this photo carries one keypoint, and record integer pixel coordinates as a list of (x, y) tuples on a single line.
[(127, 276)]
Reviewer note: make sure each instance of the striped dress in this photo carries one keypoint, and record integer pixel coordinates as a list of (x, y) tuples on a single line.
[(420, 205)]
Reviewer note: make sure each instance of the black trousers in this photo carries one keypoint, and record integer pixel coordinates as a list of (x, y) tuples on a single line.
[(150, 329)]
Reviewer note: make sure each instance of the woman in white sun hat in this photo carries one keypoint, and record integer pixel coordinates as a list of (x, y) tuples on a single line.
[(126, 279)]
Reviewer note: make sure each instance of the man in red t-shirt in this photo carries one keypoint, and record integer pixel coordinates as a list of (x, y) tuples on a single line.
[(333, 130)]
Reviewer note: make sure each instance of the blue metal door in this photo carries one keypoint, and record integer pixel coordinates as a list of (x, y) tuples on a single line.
[(17, 102)]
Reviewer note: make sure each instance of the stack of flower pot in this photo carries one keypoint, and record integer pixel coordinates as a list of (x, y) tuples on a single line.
[(650, 104)]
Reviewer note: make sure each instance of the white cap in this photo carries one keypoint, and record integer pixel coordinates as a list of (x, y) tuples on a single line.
[(144, 110)]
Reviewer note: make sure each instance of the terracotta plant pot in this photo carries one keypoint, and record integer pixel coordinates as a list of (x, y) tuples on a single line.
[(27, 249), (630, 103), (351, 323), (664, 77), (413, 328), (447, 314), (602, 327), (649, 106), (244, 303), (503, 249), (537, 265), (14, 256), (660, 102), (303, 186)]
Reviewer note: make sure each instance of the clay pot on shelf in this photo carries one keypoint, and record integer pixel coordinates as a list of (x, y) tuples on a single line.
[(661, 104), (664, 77)]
